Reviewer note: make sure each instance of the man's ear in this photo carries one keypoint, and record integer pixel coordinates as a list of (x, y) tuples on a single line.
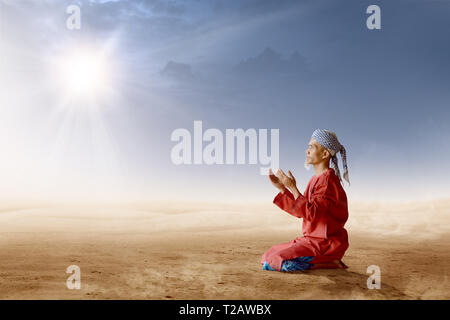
[(326, 154)]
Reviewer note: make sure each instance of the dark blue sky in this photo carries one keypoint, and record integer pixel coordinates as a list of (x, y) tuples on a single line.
[(291, 65)]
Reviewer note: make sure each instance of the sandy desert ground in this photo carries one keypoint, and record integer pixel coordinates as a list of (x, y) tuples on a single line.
[(212, 251)]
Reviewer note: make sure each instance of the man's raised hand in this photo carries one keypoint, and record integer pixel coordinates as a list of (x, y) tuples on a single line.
[(275, 181), (292, 177), (288, 182)]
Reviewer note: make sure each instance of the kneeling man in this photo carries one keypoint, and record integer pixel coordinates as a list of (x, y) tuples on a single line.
[(323, 207)]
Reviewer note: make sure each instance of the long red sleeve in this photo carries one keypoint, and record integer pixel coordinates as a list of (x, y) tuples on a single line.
[(286, 202), (323, 197), (326, 211)]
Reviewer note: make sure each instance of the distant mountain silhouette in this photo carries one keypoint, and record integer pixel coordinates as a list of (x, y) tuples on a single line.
[(177, 70), (271, 62)]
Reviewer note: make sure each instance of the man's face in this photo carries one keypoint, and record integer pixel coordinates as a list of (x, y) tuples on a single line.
[(315, 152)]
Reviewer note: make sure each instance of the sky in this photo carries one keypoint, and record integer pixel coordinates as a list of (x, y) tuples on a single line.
[(294, 66)]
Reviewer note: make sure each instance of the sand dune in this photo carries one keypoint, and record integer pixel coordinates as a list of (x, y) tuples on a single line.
[(212, 251)]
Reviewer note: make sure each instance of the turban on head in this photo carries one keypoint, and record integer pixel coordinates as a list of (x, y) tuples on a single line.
[(329, 140)]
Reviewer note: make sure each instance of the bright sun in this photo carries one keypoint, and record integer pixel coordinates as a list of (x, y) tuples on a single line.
[(83, 73)]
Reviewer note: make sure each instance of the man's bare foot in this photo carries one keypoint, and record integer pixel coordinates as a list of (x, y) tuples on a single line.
[(343, 265), (335, 264)]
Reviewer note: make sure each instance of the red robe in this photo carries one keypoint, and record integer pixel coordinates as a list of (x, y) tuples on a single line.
[(324, 211)]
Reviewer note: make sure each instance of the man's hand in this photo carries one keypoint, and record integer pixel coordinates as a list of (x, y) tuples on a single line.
[(288, 182), (275, 181)]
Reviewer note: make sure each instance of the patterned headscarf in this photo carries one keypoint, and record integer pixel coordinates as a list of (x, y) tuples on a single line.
[(329, 140)]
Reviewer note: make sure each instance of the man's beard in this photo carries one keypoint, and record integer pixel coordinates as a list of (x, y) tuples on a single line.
[(307, 165)]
